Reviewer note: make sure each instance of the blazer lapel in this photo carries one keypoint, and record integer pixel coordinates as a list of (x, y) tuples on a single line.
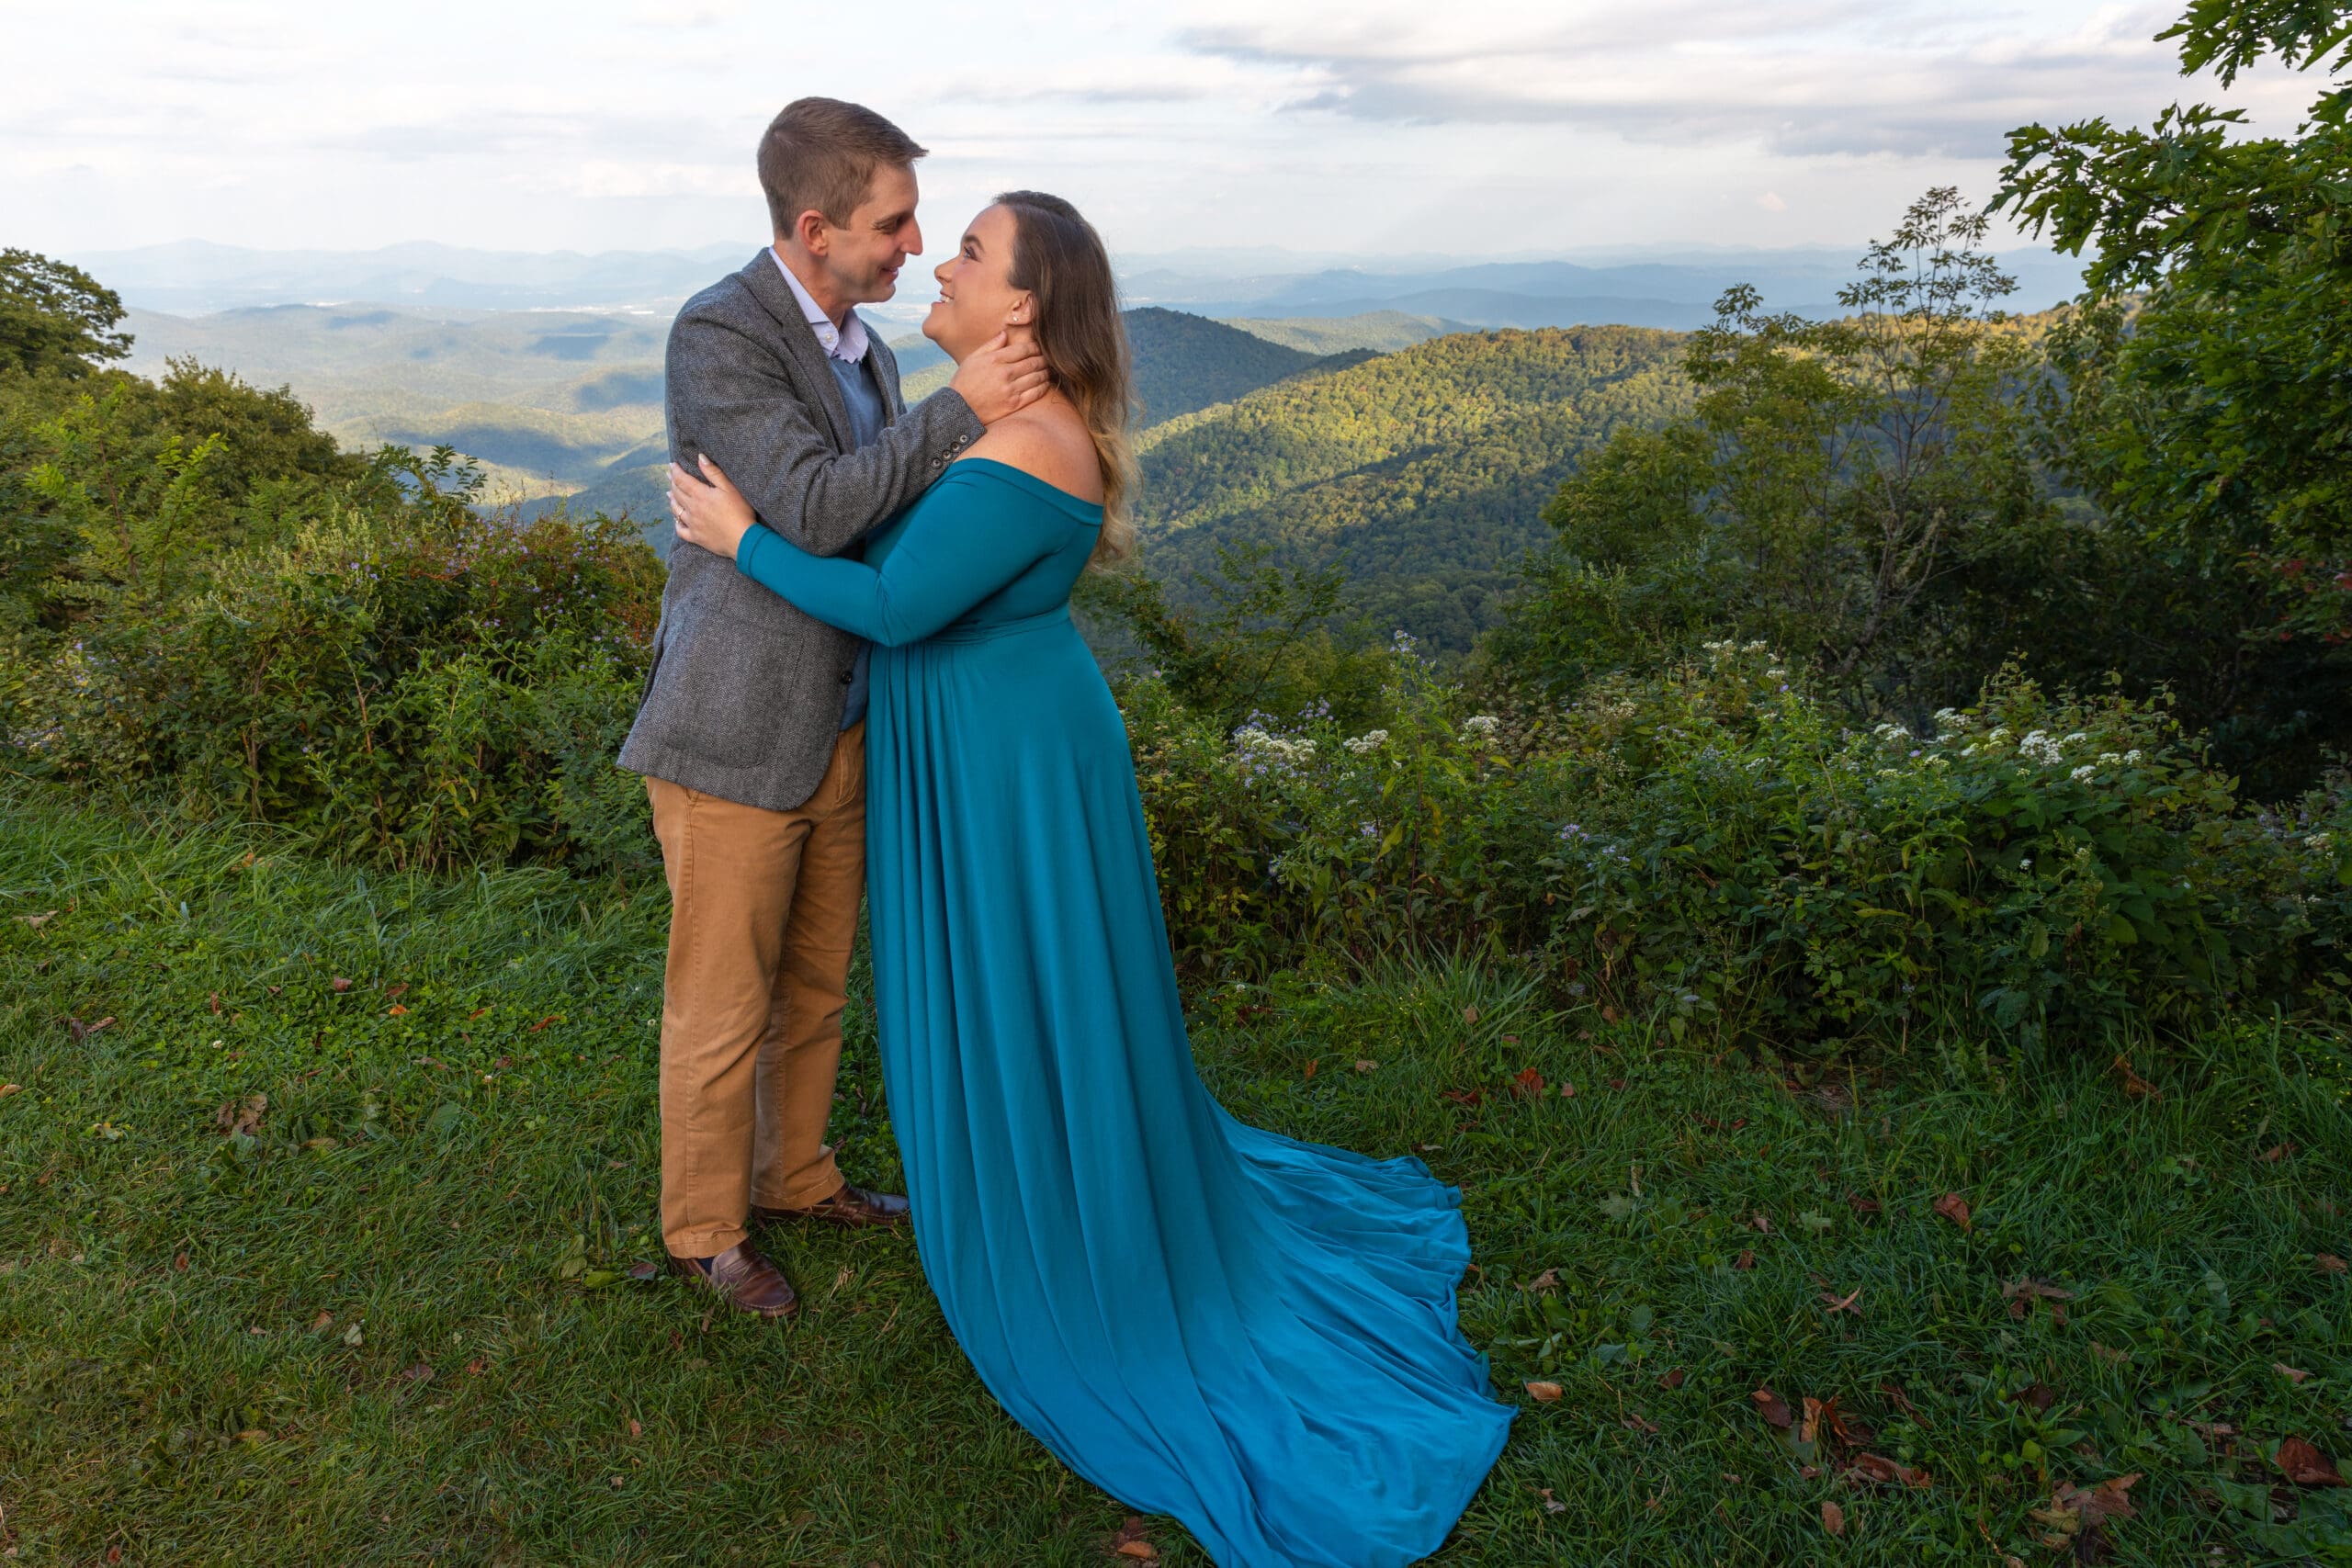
[(799, 341)]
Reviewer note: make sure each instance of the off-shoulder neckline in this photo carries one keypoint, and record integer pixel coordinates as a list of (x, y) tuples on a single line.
[(1089, 511)]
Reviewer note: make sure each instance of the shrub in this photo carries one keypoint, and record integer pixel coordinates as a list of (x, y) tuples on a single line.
[(417, 686), (1711, 847)]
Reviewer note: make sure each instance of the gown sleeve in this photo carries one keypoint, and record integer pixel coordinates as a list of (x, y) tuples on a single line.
[(973, 535)]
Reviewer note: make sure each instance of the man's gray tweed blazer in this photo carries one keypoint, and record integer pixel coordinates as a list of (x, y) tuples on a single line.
[(744, 698)]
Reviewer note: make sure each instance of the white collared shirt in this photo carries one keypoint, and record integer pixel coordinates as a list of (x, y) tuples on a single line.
[(845, 342)]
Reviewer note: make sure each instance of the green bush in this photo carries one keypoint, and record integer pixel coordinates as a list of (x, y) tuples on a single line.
[(1710, 847), (414, 686)]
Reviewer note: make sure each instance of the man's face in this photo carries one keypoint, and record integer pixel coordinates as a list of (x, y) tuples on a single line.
[(863, 258)]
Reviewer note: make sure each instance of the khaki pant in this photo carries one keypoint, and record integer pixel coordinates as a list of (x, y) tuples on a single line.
[(763, 912)]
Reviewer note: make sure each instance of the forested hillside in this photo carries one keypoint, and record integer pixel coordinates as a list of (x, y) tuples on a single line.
[(1425, 470)]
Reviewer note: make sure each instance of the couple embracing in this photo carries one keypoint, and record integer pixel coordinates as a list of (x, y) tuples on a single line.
[(867, 680)]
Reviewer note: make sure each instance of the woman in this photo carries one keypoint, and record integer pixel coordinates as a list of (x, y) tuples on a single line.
[(1254, 1335)]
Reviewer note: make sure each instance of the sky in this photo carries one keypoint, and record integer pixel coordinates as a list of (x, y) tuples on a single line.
[(1476, 130)]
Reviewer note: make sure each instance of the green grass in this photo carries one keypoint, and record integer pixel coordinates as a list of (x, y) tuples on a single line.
[(466, 1183)]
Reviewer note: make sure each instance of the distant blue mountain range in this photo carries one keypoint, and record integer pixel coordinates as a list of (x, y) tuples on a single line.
[(1665, 288)]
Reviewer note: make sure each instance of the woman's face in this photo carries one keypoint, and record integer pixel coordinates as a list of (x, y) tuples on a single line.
[(976, 300)]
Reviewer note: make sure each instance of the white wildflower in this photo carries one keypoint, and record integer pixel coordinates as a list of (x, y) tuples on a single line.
[(1365, 744), (1481, 724), (2080, 774)]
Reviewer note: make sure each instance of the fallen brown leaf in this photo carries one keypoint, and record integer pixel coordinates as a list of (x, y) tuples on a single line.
[(1954, 1207), (635, 1430), (245, 1118), (1551, 1505), (418, 1373), (2328, 1263), (2276, 1152), (2305, 1465), (179, 1263), (1865, 1207), (2040, 1396), (1510, 1039), (1772, 1408), (1762, 1221), (339, 983), (8, 1089), (1567, 1090), (1848, 1429), (1139, 1551), (2110, 1355), (1547, 1280), (1544, 1392), (1833, 1519), (37, 922), (2110, 1499), (2134, 1086), (1808, 1427), (1877, 1469), (1843, 1304), (395, 1011), (1366, 1065), (320, 1321), (1636, 1422), (476, 1367), (1309, 1071), (2293, 1374), (1673, 1379), (1528, 1083), (1745, 1260), (393, 993), (214, 996)]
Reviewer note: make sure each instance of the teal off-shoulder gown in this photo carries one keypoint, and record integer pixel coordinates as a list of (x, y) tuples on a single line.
[(1252, 1333)]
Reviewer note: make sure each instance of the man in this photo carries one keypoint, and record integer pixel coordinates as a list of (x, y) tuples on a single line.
[(752, 732)]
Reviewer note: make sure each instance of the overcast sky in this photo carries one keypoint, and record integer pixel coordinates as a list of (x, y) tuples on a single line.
[(1469, 128)]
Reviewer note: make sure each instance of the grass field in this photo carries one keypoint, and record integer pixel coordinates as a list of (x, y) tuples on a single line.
[(321, 1194)]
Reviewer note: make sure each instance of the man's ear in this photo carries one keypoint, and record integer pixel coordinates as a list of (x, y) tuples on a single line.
[(813, 232)]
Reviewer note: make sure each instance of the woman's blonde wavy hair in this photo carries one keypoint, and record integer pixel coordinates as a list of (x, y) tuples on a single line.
[(1059, 257)]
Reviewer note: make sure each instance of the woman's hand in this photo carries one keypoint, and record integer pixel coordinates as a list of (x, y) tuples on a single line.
[(710, 512)]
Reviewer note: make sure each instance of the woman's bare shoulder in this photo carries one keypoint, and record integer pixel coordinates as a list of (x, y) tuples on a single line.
[(1050, 442)]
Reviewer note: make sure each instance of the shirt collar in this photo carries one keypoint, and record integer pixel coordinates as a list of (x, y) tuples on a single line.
[(846, 342)]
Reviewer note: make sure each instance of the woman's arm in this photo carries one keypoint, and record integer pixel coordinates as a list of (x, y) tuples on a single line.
[(975, 535)]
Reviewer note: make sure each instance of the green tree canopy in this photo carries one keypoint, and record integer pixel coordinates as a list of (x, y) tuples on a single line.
[(55, 317)]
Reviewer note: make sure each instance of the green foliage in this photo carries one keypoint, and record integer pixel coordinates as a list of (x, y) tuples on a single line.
[(415, 686), (2212, 372), (1837, 481), (1420, 472), (55, 318), (1272, 638), (1711, 849)]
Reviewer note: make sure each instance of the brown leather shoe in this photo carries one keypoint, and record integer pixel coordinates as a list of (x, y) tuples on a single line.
[(850, 1206), (743, 1279)]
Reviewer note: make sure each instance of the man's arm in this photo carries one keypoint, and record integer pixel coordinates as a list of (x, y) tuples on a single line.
[(731, 398)]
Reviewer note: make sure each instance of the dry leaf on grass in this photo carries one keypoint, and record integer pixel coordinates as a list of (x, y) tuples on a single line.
[(1544, 1392), (1745, 1260), (235, 1117), (340, 982), (2328, 1263), (1954, 1207), (8, 1089), (1366, 1065), (37, 922), (2134, 1086), (1469, 1015), (1837, 1304), (1673, 1379), (1309, 1071), (1833, 1519), (1551, 1505), (1873, 1469), (1772, 1408), (1547, 1280), (2305, 1465), (2025, 1292), (2293, 1374), (1529, 1083)]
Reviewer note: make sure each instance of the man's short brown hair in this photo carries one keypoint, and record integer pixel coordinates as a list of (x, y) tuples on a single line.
[(821, 154)]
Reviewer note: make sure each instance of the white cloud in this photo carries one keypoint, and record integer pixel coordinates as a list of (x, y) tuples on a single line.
[(1486, 126)]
